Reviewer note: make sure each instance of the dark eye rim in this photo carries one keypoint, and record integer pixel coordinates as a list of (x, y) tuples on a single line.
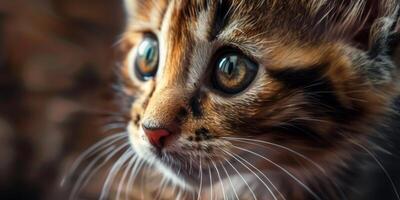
[(229, 50), (138, 73)]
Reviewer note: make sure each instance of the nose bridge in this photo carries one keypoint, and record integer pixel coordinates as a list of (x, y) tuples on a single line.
[(163, 106), (171, 92)]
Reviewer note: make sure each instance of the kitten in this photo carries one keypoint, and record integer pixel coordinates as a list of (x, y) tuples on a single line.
[(270, 99)]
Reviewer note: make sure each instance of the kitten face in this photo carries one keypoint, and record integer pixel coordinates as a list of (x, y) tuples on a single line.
[(233, 83)]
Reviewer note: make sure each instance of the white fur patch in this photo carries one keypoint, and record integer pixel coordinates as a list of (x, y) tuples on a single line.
[(202, 25), (141, 146), (200, 59)]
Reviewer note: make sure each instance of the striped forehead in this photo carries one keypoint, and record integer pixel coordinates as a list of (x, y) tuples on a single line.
[(187, 30), (205, 18)]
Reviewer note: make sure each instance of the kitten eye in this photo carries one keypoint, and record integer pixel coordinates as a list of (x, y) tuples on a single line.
[(233, 73), (146, 61)]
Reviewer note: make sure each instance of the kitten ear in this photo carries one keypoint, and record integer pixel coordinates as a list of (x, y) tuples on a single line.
[(384, 35), (394, 38), (378, 35), (376, 28)]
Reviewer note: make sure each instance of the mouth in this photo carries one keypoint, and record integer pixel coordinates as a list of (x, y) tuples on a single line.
[(184, 167), (170, 159)]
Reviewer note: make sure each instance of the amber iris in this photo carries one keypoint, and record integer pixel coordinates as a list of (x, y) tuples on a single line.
[(234, 72), (146, 61)]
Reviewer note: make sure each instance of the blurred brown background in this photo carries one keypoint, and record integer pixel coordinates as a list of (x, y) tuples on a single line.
[(56, 68)]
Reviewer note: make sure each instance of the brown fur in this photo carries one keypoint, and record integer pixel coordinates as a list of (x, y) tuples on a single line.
[(324, 119)]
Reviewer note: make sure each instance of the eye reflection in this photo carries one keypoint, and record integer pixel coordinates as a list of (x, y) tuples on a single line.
[(233, 73), (146, 61)]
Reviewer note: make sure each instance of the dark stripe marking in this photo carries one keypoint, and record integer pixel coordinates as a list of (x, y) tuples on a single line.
[(221, 16), (195, 105), (300, 130), (315, 86)]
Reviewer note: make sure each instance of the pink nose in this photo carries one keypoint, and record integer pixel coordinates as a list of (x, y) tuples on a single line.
[(156, 136)]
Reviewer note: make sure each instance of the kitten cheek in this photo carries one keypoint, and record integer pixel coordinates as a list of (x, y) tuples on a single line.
[(138, 141), (134, 134)]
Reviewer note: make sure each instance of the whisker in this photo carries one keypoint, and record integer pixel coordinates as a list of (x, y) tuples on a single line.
[(99, 166), (230, 181), (179, 196), (134, 172), (244, 180), (211, 183), (233, 155), (190, 164), (279, 146), (201, 179), (125, 174), (112, 119), (113, 172), (259, 171), (147, 165), (162, 186), (381, 166), (220, 179), (113, 126), (175, 187), (102, 144), (255, 142), (283, 169), (90, 109), (309, 119), (78, 185)]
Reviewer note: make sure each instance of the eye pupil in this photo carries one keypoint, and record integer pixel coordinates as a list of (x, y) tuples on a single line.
[(228, 65), (147, 58), (234, 73), (150, 54)]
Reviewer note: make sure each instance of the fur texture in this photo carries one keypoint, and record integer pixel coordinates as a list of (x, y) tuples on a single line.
[(303, 129)]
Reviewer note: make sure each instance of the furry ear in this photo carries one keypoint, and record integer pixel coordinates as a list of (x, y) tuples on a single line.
[(360, 21), (374, 28), (384, 39), (365, 23), (384, 35), (371, 24), (394, 37)]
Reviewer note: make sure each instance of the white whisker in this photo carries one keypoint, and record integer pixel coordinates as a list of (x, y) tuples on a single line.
[(235, 156), (78, 185), (241, 176), (113, 126), (381, 166), (201, 179), (211, 183), (284, 170), (220, 179), (279, 146), (102, 144), (255, 142), (125, 174), (113, 172), (230, 181), (134, 172), (162, 186)]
